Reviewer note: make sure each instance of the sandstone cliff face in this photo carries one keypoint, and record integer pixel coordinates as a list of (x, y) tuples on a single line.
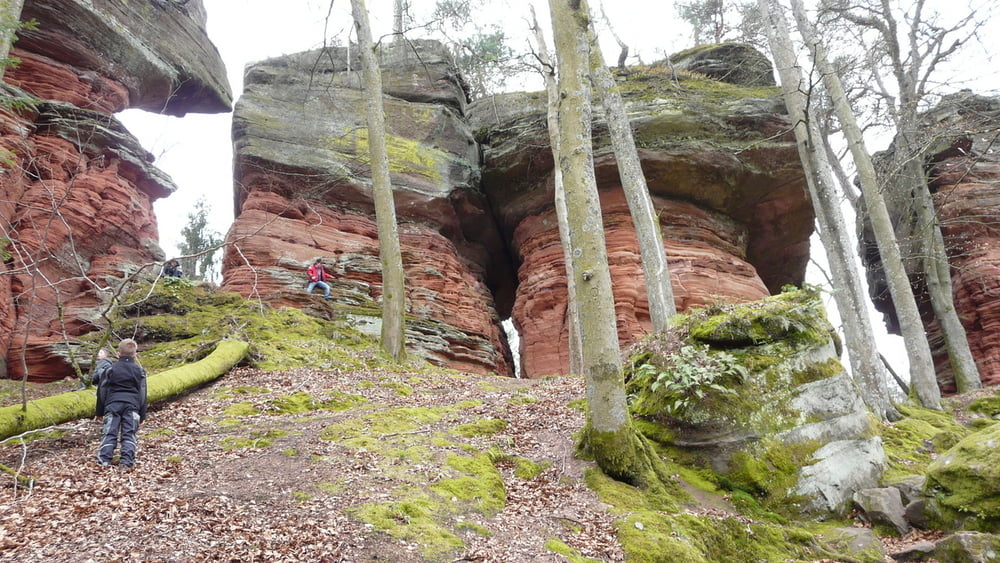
[(725, 179), (109, 55), (304, 192), (76, 202), (721, 166), (964, 171)]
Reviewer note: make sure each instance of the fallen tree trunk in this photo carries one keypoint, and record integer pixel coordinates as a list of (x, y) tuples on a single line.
[(81, 404)]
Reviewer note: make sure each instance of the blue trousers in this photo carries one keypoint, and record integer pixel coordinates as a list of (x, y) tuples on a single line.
[(124, 423), (321, 285)]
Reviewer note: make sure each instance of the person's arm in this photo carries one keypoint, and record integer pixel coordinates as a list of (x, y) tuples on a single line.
[(143, 401)]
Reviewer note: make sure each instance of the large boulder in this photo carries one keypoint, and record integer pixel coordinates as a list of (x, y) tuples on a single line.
[(725, 179), (736, 63), (304, 191), (110, 55), (480, 239), (757, 393), (962, 489)]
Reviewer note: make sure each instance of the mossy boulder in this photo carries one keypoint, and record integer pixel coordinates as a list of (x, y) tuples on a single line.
[(736, 63), (756, 392), (963, 484), (968, 547)]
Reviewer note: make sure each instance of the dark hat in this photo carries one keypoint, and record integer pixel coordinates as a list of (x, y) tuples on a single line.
[(319, 260)]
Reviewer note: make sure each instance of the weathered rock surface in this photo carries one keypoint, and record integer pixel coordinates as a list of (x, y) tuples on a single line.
[(735, 63), (723, 175), (76, 202), (861, 542), (728, 200), (109, 55), (756, 392), (962, 489), (964, 167), (305, 192), (883, 506), (968, 547)]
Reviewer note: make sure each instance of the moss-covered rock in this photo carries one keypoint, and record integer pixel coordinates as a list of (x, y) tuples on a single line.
[(964, 483), (968, 546), (178, 322), (752, 391)]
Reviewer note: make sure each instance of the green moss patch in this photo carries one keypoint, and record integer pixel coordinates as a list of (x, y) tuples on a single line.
[(302, 402), (555, 545), (241, 409), (485, 427), (909, 443), (413, 519), (258, 439), (988, 406), (966, 479), (479, 483)]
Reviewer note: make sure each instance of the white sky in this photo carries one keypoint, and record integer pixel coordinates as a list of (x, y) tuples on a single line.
[(197, 150)]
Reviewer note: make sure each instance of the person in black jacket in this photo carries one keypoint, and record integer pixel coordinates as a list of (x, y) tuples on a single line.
[(173, 269), (121, 397)]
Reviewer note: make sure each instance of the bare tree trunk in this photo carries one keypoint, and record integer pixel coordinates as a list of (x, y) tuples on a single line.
[(609, 434), (849, 293), (548, 69), (10, 16), (659, 291), (923, 382), (397, 19), (909, 171), (393, 289)]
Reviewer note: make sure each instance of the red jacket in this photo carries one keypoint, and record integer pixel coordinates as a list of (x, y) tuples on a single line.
[(317, 273)]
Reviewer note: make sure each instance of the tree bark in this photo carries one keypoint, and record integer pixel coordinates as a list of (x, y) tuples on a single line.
[(393, 337), (866, 365), (934, 260), (609, 434), (659, 290), (63, 408), (10, 17), (572, 316), (923, 381)]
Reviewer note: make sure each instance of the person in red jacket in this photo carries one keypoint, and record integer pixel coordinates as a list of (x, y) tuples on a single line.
[(318, 277)]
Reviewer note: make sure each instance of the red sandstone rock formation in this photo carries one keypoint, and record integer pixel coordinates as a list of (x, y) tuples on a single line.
[(76, 199), (734, 212), (304, 192)]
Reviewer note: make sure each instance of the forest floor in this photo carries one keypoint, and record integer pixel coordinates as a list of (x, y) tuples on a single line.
[(289, 466)]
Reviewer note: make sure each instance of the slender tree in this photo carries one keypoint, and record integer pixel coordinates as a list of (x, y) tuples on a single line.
[(393, 289), (549, 72), (659, 290), (910, 55), (866, 365), (922, 377), (10, 17), (200, 243), (609, 434)]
